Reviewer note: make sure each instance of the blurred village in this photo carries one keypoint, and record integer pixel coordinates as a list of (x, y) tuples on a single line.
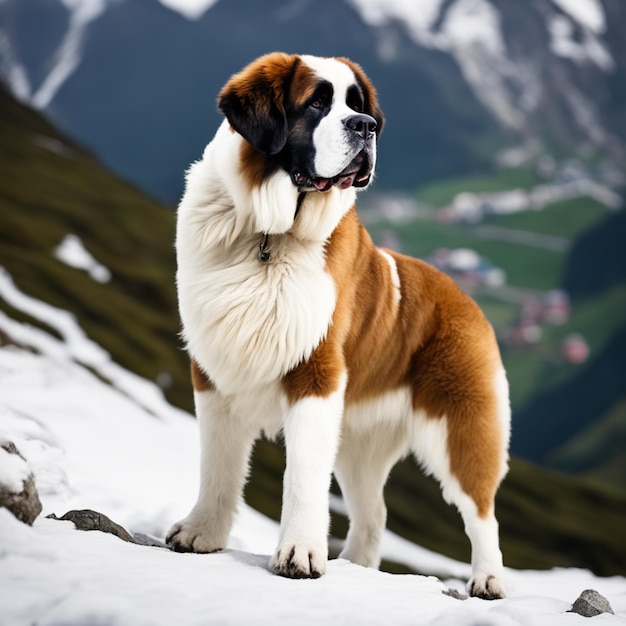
[(478, 275)]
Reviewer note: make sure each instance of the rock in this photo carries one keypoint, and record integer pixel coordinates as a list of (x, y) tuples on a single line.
[(148, 540), (590, 603), (87, 519), (25, 504), (453, 593), (92, 520)]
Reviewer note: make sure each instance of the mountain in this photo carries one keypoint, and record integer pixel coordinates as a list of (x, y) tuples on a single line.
[(464, 83), (88, 270), (53, 189)]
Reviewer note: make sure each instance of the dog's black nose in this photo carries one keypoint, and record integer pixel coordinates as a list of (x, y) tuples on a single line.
[(361, 124)]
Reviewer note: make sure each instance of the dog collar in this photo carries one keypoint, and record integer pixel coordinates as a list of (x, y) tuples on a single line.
[(264, 255)]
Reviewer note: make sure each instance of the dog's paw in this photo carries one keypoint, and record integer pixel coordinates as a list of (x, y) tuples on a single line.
[(299, 561), (486, 586), (189, 536)]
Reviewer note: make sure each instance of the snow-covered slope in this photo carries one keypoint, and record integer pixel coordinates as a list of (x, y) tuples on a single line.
[(97, 436)]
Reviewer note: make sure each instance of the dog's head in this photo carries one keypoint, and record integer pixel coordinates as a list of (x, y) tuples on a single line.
[(316, 118)]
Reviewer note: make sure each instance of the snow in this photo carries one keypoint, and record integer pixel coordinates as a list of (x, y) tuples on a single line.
[(13, 70), (471, 22), (102, 446), (75, 346), (419, 22), (68, 55), (465, 22), (72, 252), (589, 16), (13, 471), (470, 31), (191, 9), (563, 43), (588, 13)]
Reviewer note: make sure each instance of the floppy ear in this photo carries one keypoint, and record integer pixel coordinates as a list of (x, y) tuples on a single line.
[(370, 96), (253, 101)]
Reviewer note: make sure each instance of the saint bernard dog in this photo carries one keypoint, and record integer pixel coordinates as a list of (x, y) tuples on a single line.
[(296, 324)]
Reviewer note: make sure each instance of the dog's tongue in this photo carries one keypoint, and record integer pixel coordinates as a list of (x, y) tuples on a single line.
[(321, 184), (346, 182)]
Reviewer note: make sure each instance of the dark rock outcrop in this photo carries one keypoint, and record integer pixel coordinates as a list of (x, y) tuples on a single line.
[(86, 519)]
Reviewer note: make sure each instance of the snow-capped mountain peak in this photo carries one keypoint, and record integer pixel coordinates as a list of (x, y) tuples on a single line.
[(588, 13), (476, 76), (191, 9)]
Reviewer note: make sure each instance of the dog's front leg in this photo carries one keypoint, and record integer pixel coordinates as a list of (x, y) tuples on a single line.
[(226, 440), (312, 430)]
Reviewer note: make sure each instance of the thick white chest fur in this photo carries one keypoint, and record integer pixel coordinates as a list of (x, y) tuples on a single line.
[(245, 322)]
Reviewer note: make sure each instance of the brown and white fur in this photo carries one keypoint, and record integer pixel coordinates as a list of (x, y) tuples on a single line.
[(357, 355)]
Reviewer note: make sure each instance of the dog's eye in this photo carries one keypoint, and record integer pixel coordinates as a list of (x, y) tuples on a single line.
[(322, 97), (354, 99)]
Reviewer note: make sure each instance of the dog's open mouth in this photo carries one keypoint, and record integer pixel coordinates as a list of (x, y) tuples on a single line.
[(324, 184), (357, 174)]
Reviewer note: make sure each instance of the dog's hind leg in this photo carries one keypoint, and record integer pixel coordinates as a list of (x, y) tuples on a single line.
[(226, 441), (466, 451), (362, 467)]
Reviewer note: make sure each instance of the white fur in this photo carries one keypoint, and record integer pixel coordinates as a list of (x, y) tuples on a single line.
[(374, 438), (333, 151), (312, 429), (395, 277), (226, 439), (501, 385)]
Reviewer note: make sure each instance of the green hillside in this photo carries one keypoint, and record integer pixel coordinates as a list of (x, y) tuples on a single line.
[(51, 187)]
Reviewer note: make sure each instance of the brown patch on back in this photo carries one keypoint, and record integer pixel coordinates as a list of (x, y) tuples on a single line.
[(378, 335), (454, 377), (199, 380), (435, 341)]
